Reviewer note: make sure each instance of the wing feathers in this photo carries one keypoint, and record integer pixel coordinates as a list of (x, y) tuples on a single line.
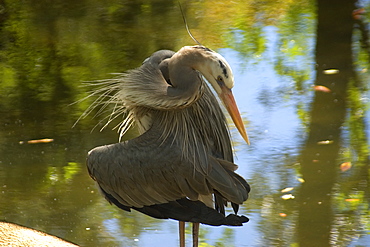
[(139, 181), (187, 189)]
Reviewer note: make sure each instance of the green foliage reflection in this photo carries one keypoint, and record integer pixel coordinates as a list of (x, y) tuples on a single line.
[(48, 49)]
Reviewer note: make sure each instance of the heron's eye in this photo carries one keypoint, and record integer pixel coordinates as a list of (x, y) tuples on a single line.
[(220, 81)]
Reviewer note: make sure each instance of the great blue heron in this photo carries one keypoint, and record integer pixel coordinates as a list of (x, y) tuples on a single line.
[(181, 166)]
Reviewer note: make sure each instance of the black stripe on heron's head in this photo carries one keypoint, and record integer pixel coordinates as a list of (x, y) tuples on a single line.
[(223, 67)]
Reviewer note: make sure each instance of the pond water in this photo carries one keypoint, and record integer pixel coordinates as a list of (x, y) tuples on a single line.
[(301, 73)]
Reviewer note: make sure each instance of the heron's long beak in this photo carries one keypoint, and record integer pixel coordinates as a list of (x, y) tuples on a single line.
[(228, 99)]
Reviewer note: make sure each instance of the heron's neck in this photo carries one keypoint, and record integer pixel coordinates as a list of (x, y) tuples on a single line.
[(198, 128), (189, 56)]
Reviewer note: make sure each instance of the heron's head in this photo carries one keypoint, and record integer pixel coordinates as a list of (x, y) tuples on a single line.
[(213, 67), (218, 73)]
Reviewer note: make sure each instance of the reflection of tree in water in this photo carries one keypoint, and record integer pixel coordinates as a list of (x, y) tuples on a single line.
[(331, 207), (321, 221)]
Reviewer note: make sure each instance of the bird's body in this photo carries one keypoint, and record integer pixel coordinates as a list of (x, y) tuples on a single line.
[(181, 166)]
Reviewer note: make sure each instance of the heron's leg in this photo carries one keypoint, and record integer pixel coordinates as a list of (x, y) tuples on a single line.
[(182, 233), (195, 234)]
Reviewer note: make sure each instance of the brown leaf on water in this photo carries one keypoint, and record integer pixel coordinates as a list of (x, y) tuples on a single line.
[(345, 166), (283, 214), (352, 200), (46, 140), (321, 89), (287, 189)]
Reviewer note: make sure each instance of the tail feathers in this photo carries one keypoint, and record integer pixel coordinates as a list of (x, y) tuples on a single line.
[(220, 203), (192, 211), (184, 210)]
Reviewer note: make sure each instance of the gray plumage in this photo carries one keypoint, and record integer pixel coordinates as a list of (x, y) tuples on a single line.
[(182, 162)]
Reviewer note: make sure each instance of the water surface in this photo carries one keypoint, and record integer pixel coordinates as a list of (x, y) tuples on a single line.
[(301, 79)]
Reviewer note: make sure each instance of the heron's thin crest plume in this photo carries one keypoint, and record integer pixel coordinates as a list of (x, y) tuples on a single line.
[(187, 27)]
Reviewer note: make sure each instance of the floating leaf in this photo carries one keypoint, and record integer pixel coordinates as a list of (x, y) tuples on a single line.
[(345, 166), (331, 71), (352, 200), (283, 214), (46, 140), (287, 197), (326, 142), (321, 89), (287, 189), (301, 180)]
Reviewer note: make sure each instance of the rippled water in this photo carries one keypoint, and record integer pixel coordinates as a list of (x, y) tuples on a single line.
[(301, 78)]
